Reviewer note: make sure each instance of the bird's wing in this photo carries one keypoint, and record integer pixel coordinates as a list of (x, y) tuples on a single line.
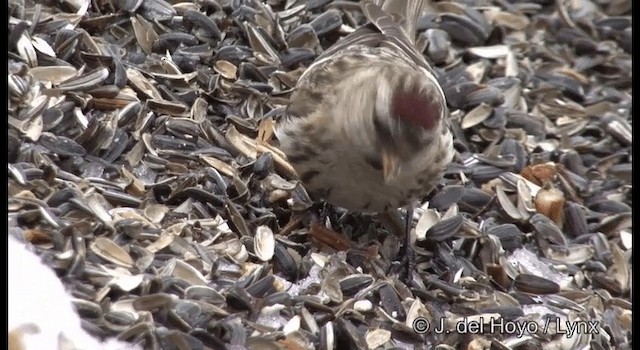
[(383, 30), (405, 13)]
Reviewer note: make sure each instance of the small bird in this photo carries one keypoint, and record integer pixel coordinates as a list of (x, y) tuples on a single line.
[(366, 128)]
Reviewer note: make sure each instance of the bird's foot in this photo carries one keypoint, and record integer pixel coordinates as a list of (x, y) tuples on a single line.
[(320, 212), (404, 264)]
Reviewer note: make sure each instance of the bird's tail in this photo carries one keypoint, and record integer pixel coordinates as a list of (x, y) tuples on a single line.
[(404, 12)]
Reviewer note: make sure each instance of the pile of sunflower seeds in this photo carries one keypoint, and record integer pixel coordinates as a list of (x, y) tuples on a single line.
[(143, 170)]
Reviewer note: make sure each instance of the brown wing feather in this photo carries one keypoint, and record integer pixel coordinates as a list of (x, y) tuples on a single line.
[(405, 13), (382, 30), (367, 35), (394, 37)]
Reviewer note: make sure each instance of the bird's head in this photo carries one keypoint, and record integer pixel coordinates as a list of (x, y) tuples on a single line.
[(409, 117)]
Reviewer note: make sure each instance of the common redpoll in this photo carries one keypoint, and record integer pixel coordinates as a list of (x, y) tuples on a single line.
[(366, 127)]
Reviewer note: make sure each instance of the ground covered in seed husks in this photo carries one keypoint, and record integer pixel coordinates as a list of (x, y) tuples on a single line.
[(143, 170)]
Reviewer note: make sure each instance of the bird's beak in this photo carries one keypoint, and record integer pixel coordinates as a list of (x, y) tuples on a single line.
[(390, 166)]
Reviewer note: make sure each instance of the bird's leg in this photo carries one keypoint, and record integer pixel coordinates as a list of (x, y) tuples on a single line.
[(407, 253), (405, 261)]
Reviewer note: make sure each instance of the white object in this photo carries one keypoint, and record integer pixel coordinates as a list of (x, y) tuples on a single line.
[(41, 316)]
